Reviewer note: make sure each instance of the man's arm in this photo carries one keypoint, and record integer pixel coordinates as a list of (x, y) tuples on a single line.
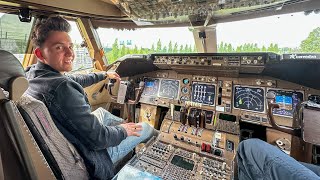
[(86, 80), (75, 115)]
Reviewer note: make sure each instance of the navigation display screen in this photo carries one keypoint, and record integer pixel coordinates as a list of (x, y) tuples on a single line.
[(287, 100), (249, 98), (203, 93), (151, 87), (169, 88)]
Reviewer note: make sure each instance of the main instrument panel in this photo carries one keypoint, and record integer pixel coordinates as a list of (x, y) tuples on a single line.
[(244, 97), (215, 86)]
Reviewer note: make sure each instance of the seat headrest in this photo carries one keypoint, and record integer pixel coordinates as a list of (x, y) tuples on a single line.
[(12, 76)]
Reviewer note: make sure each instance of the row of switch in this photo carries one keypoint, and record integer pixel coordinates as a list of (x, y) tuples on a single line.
[(187, 140), (207, 148)]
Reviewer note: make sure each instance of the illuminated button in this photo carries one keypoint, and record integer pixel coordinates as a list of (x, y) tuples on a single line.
[(185, 81)]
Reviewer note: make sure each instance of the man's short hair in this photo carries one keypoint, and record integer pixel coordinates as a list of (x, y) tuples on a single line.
[(44, 26)]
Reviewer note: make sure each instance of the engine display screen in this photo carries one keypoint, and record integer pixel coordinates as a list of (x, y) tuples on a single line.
[(182, 162), (151, 87), (203, 93), (287, 100), (249, 98)]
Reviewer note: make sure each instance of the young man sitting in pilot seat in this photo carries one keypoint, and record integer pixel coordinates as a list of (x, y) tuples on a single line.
[(101, 138)]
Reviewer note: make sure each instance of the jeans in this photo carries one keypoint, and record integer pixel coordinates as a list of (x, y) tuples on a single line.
[(260, 160), (120, 151)]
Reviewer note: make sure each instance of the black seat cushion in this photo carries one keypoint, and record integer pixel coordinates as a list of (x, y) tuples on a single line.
[(10, 67)]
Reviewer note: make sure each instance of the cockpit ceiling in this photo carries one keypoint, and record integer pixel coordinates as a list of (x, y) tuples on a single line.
[(130, 14), (156, 12)]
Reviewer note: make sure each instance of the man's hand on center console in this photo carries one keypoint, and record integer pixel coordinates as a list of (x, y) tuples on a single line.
[(132, 128), (112, 75)]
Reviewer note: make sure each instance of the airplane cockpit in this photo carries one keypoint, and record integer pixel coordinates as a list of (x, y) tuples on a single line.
[(204, 104)]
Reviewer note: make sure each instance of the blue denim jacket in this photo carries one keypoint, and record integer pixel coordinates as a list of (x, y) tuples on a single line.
[(69, 107)]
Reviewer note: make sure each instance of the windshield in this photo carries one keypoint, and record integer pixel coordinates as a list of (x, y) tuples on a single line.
[(297, 32), (288, 33), (118, 43)]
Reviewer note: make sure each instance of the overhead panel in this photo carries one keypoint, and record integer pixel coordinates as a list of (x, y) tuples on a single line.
[(155, 12)]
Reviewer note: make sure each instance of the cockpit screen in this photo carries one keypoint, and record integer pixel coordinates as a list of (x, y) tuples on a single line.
[(151, 87), (169, 88), (287, 100), (203, 93), (182, 162), (249, 98)]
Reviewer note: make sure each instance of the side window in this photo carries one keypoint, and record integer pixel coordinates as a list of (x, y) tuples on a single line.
[(82, 59), (14, 35)]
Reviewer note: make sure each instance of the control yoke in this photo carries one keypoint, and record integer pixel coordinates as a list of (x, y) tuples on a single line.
[(110, 85), (271, 106), (138, 93)]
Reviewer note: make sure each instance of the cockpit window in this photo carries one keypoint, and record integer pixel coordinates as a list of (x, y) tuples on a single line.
[(82, 59), (288, 33), (118, 43), (14, 35)]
